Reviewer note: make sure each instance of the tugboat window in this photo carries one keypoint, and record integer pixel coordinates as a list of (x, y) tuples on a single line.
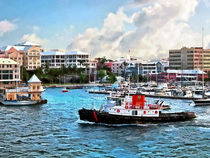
[(134, 112)]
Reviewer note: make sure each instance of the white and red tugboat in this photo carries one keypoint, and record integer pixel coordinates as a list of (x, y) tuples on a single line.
[(132, 110)]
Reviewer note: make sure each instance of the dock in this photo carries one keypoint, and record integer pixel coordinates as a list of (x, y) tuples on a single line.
[(76, 86), (150, 95)]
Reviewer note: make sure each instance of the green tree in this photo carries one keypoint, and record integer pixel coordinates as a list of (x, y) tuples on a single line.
[(133, 78), (102, 60), (101, 73), (47, 67), (112, 78), (39, 72), (83, 78), (53, 75), (24, 74)]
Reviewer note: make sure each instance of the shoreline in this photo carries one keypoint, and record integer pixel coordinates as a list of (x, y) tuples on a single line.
[(76, 86)]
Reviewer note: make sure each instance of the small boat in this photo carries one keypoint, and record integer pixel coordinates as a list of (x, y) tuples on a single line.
[(202, 102), (132, 110), (64, 90), (163, 106), (18, 103)]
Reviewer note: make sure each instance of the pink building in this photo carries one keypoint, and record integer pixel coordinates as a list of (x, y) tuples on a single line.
[(171, 76), (109, 64)]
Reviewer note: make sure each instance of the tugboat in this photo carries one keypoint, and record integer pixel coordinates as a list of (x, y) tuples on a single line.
[(132, 110)]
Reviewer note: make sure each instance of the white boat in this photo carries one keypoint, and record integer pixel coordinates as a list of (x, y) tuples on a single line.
[(202, 102), (18, 103)]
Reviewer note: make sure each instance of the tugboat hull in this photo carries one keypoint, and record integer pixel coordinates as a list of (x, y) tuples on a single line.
[(104, 117)]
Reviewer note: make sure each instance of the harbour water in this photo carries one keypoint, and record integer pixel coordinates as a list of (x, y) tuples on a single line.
[(54, 130)]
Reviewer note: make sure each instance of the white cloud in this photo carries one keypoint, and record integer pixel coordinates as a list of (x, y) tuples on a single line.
[(158, 25), (33, 38), (6, 26), (61, 39), (35, 28)]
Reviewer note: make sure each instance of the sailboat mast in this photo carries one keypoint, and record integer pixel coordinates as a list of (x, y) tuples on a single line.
[(202, 61)]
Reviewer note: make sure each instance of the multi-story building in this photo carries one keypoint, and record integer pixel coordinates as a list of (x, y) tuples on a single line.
[(151, 68), (26, 53), (15, 55), (32, 55), (194, 58), (130, 67), (9, 73), (185, 76), (58, 59), (91, 70), (118, 67), (133, 68)]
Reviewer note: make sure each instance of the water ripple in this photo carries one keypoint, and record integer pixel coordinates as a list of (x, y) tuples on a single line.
[(54, 130)]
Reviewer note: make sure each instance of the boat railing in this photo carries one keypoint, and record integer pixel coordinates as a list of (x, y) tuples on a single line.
[(19, 89)]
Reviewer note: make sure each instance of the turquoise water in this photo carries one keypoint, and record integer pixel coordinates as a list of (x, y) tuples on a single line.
[(54, 130)]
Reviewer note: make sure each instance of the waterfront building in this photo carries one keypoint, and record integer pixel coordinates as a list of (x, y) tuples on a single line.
[(35, 88), (91, 70), (57, 59), (32, 55), (118, 68), (194, 58), (31, 92), (185, 76), (26, 53), (132, 68), (12, 53), (9, 73), (165, 63), (151, 68)]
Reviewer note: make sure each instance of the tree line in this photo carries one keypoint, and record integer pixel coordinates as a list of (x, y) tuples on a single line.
[(69, 74)]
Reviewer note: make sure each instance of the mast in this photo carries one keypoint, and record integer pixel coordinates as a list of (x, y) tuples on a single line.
[(181, 73), (202, 61)]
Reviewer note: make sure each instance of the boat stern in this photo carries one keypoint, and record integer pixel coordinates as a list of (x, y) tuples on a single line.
[(88, 115), (190, 115)]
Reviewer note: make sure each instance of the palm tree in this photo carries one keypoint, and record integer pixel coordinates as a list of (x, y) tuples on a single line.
[(125, 64)]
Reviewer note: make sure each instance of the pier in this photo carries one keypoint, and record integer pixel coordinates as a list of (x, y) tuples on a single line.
[(76, 86), (150, 95)]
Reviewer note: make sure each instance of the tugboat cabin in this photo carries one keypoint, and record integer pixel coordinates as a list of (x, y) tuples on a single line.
[(135, 106)]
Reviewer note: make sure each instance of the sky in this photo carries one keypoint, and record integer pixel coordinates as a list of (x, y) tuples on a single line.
[(115, 28)]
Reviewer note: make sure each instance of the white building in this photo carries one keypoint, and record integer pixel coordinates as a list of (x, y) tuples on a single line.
[(69, 59), (118, 68), (151, 68), (9, 73)]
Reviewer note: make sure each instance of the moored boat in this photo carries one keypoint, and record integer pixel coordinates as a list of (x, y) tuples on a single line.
[(132, 111), (64, 90), (202, 102), (18, 103)]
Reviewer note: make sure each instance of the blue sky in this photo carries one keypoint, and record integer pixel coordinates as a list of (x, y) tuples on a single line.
[(53, 16), (62, 23)]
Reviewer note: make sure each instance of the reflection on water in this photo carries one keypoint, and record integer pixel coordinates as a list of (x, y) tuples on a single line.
[(54, 129)]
